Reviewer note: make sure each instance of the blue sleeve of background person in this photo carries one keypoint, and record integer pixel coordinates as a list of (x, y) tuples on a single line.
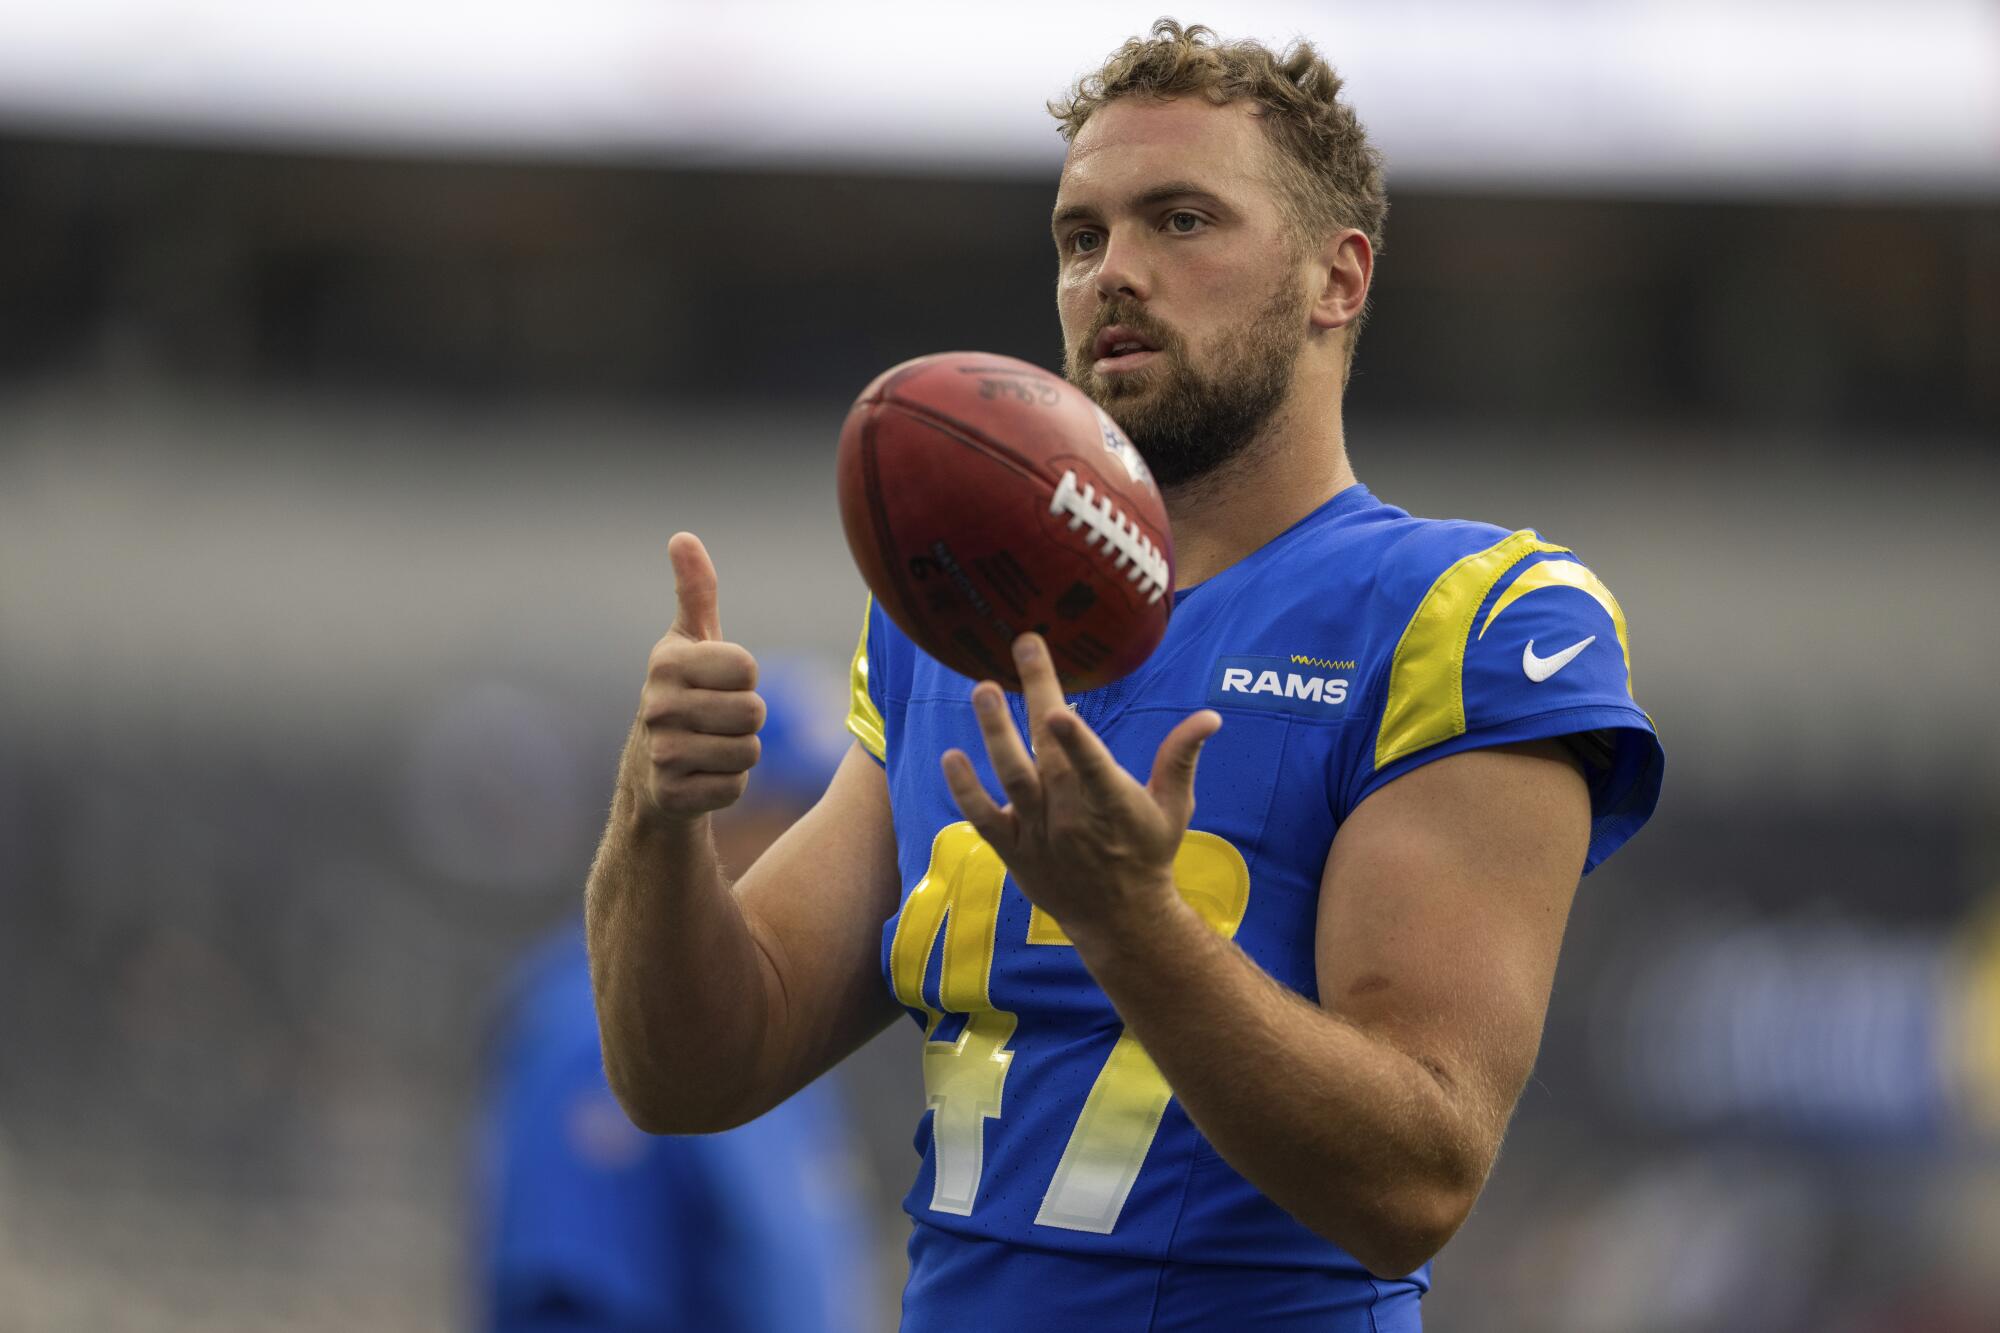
[(595, 1225), (786, 1198), (1482, 614), (591, 1224)]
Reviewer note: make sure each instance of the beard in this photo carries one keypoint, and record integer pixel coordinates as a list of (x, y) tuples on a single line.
[(1186, 420)]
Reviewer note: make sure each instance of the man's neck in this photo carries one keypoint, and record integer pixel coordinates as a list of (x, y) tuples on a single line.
[(1282, 476)]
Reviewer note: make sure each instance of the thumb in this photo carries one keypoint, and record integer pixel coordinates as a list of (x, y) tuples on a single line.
[(694, 585), (1172, 783)]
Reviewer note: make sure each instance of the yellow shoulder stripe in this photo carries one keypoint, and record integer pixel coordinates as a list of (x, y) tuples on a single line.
[(1567, 574), (864, 719), (1426, 702)]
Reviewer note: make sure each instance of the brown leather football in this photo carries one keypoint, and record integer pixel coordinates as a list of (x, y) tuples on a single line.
[(984, 497)]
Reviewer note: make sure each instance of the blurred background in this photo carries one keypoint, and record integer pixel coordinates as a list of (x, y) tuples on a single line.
[(357, 360)]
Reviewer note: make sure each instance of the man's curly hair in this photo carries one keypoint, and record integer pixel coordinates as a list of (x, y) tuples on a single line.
[(1329, 174)]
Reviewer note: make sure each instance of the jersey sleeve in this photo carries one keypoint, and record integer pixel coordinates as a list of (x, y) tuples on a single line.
[(1517, 642), (866, 706)]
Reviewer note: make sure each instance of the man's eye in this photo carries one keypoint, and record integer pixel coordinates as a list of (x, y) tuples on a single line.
[(1083, 242), (1184, 222)]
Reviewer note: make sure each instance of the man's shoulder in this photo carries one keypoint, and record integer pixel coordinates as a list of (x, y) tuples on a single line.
[(1415, 553), (1389, 561)]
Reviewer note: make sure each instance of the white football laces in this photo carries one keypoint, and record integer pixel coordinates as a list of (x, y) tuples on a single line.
[(1133, 551)]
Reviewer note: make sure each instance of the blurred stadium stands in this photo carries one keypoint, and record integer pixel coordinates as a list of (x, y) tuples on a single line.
[(334, 491)]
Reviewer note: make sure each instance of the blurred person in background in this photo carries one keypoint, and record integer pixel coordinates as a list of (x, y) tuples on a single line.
[(590, 1225)]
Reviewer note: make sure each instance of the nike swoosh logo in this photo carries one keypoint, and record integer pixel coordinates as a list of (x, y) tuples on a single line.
[(1540, 669)]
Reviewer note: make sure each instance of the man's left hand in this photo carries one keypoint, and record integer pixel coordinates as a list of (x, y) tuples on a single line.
[(1085, 842)]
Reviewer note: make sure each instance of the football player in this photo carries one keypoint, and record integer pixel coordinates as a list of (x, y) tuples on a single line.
[(1219, 1045)]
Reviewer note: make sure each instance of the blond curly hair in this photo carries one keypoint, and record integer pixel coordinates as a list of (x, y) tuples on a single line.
[(1329, 174)]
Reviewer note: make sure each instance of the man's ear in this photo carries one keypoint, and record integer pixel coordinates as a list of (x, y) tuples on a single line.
[(1344, 266)]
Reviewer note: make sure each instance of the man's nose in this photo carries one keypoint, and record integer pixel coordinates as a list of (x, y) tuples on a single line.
[(1121, 273)]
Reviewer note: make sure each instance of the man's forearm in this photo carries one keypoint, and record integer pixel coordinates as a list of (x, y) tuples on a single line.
[(1357, 1140), (678, 976)]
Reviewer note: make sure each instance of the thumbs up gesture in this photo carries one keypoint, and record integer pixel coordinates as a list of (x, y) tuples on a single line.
[(699, 711)]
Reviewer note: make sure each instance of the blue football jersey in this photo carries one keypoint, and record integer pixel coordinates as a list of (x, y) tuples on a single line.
[(1354, 647)]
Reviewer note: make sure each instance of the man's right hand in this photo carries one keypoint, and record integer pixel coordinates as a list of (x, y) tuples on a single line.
[(699, 712), (719, 998)]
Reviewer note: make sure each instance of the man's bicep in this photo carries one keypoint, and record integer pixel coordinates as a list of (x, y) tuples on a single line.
[(815, 902), (1442, 909)]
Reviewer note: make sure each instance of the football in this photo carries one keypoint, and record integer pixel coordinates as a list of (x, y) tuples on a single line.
[(984, 497)]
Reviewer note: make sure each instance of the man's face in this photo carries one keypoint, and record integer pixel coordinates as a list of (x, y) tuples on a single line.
[(1182, 299)]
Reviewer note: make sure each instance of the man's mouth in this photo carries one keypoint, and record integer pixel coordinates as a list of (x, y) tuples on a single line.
[(1120, 348)]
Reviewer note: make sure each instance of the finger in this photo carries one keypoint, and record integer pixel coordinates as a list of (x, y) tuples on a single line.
[(711, 712), (1086, 752), (698, 616), (692, 752), (1012, 763), (698, 793), (1172, 782), (1040, 689), (717, 666), (993, 823)]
